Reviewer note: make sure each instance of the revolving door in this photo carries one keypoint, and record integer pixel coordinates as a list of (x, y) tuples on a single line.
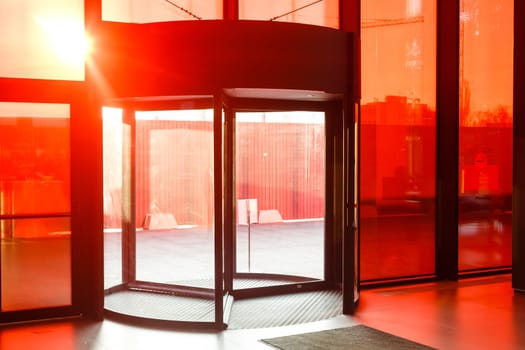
[(159, 199), (215, 194), (279, 180)]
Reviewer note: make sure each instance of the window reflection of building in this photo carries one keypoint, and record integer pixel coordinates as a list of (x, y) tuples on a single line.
[(398, 136), (35, 204), (485, 116)]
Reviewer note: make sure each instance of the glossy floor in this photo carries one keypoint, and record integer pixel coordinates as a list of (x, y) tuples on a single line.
[(481, 313)]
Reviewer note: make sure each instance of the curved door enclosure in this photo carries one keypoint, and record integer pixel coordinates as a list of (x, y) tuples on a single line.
[(201, 57), (228, 164)]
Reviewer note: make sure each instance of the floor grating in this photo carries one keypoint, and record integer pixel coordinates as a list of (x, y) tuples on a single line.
[(261, 312)]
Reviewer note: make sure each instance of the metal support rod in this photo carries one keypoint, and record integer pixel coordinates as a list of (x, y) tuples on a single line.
[(249, 233)]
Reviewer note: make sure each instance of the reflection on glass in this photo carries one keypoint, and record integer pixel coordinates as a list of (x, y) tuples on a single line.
[(36, 263), (485, 155), (280, 191), (147, 11), (34, 167), (174, 196), (397, 175), (42, 39), (317, 12), (34, 159)]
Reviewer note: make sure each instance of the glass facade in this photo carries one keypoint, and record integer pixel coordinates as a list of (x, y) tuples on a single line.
[(42, 39), (35, 206), (320, 12), (485, 152), (146, 11), (172, 153), (397, 138)]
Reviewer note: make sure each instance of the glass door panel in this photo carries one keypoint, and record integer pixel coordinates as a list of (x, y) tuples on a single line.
[(35, 231), (174, 197), (280, 195), (159, 214), (36, 264), (114, 132)]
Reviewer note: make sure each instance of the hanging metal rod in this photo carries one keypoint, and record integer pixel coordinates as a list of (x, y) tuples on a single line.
[(183, 9), (297, 9), (380, 22)]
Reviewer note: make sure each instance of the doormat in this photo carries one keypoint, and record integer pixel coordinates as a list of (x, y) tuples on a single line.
[(351, 338)]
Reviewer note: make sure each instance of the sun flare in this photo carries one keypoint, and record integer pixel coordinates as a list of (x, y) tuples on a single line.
[(67, 39)]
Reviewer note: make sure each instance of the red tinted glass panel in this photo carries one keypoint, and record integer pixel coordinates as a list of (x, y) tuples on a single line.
[(36, 263), (397, 138), (35, 206), (485, 155)]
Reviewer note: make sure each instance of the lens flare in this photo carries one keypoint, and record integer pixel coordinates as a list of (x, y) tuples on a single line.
[(67, 39)]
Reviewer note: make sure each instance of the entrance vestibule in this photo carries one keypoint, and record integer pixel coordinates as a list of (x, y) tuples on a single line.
[(233, 194)]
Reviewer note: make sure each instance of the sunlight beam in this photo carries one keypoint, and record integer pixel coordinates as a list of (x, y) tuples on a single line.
[(67, 39)]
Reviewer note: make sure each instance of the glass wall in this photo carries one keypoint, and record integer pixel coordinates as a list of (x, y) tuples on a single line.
[(147, 11), (317, 12), (485, 154), (398, 137), (35, 206), (42, 39)]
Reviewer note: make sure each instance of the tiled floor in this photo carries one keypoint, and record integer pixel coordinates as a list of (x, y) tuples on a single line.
[(481, 313)]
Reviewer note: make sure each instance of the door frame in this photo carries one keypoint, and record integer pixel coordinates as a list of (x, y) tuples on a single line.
[(339, 249), (334, 207), (129, 280), (81, 245)]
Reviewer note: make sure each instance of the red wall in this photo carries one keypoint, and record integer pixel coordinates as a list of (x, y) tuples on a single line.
[(283, 169)]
